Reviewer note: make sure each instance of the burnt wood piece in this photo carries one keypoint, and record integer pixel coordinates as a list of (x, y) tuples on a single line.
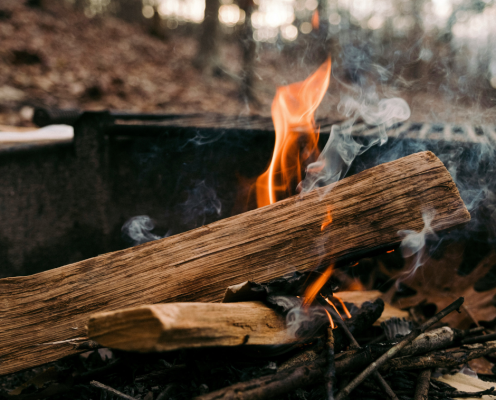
[(166, 327), (422, 388), (43, 315)]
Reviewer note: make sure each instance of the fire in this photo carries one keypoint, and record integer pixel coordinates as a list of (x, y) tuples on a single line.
[(312, 290), (331, 322), (293, 111), (346, 311), (328, 220), (315, 20)]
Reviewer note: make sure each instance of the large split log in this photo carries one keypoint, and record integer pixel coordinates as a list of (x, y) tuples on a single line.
[(43, 316)]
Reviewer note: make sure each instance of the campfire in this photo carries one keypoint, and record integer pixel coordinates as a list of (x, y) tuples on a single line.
[(267, 292)]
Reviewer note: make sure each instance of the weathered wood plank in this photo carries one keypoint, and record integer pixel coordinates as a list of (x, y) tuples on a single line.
[(368, 210)]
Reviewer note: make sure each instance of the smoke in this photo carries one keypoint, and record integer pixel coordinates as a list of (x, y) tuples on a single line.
[(137, 230), (305, 322), (341, 148), (202, 203), (413, 244)]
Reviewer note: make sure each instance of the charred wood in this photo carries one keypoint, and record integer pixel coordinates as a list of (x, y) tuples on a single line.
[(397, 348), (423, 381), (445, 359)]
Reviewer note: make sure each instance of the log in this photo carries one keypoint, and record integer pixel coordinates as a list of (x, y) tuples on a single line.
[(166, 327), (44, 315)]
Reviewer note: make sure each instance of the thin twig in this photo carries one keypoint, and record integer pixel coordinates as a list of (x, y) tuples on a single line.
[(330, 375), (394, 350), (111, 390), (422, 389), (457, 394), (480, 339), (355, 344)]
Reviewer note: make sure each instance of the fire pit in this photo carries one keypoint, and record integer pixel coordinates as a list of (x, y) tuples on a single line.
[(291, 241)]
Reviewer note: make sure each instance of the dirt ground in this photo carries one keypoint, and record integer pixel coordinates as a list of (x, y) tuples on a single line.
[(59, 58)]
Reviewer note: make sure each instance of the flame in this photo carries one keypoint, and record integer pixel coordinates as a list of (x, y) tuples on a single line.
[(330, 319), (346, 311), (293, 111), (315, 20), (328, 220), (333, 306), (356, 285), (312, 290), (389, 251)]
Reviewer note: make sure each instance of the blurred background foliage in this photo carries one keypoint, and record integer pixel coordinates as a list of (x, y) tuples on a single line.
[(228, 56)]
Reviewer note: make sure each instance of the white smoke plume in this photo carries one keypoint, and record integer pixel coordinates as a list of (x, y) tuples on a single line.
[(413, 244), (341, 148), (138, 229), (202, 203)]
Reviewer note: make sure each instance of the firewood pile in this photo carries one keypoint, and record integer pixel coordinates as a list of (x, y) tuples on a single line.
[(146, 322)]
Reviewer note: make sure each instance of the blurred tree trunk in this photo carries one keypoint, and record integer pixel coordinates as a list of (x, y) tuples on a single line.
[(207, 58), (79, 5), (248, 47), (130, 10), (156, 28)]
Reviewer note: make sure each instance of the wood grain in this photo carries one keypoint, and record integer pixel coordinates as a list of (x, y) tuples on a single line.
[(42, 316), (165, 327)]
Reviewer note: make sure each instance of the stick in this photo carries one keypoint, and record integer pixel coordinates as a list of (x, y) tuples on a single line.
[(111, 390), (330, 375), (368, 209), (444, 359), (480, 339), (459, 394), (422, 389), (355, 344), (268, 387), (397, 348)]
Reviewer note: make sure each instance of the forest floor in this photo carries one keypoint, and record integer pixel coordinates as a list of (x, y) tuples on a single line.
[(57, 57)]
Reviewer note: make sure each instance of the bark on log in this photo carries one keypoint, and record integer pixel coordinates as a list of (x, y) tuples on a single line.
[(42, 316), (165, 327)]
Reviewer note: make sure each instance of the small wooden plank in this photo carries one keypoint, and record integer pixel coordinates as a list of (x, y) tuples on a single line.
[(42, 316), (166, 327)]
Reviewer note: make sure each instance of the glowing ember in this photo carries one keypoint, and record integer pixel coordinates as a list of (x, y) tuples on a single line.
[(293, 111), (389, 251), (312, 290)]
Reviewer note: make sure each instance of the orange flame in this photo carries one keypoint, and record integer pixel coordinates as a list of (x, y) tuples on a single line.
[(328, 220), (315, 20), (390, 251), (333, 306), (330, 319), (355, 286), (293, 111), (312, 290), (346, 311)]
